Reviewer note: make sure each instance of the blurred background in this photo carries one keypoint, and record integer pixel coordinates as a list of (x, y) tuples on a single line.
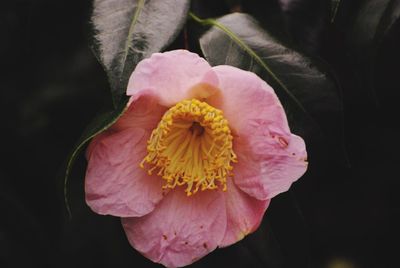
[(344, 213)]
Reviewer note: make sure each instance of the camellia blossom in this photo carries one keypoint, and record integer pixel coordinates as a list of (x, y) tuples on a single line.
[(195, 159)]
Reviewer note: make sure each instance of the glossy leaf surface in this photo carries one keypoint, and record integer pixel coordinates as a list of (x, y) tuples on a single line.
[(127, 31)]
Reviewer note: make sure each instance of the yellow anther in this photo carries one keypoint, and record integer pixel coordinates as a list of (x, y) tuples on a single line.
[(192, 146)]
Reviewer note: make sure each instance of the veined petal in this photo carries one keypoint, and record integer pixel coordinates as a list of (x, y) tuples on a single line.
[(181, 229), (244, 214), (171, 76)]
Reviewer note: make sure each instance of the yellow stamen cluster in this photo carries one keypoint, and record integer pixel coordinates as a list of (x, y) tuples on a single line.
[(191, 145)]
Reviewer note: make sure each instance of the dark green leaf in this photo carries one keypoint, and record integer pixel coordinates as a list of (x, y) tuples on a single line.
[(307, 22), (270, 15), (98, 125), (367, 34), (373, 21), (391, 17), (305, 91), (299, 22), (334, 9), (128, 31)]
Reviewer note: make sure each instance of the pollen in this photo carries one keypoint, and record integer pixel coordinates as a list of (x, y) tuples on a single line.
[(191, 147)]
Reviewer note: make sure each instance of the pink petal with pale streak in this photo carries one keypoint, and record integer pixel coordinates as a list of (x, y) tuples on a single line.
[(171, 75), (244, 214), (115, 184), (181, 229), (270, 158)]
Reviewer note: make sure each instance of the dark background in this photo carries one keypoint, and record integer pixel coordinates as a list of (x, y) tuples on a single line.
[(343, 213)]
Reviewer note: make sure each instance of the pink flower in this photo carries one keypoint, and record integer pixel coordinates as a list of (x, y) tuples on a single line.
[(195, 160)]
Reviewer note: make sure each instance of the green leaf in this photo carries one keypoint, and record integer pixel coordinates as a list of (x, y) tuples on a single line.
[(373, 21), (305, 90), (366, 36), (98, 125), (302, 23), (334, 9), (127, 31)]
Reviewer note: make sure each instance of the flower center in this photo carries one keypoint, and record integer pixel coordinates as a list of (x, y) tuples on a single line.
[(192, 145)]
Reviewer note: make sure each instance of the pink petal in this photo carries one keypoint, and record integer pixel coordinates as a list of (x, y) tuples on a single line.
[(181, 229), (171, 76), (270, 158), (268, 166), (115, 184), (244, 214), (144, 112), (247, 99)]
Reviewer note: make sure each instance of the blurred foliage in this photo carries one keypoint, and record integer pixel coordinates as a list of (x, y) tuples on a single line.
[(335, 216)]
